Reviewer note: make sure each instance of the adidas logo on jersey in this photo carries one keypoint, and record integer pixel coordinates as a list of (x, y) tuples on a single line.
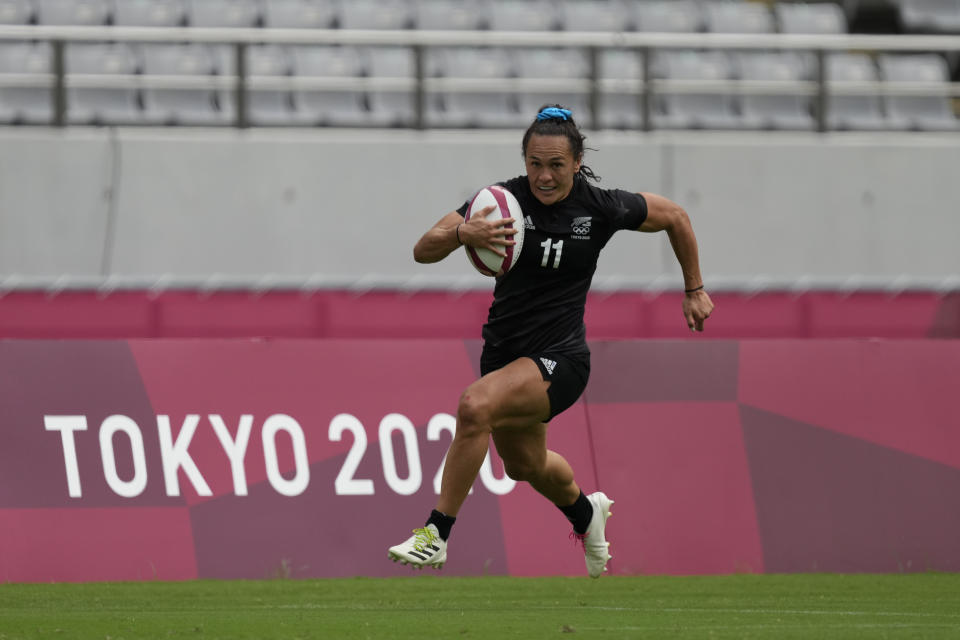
[(528, 223), (581, 227), (549, 364)]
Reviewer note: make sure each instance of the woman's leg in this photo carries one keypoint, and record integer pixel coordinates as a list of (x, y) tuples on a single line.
[(511, 398)]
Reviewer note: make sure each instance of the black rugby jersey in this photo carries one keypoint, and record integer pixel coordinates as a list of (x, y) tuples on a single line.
[(538, 305)]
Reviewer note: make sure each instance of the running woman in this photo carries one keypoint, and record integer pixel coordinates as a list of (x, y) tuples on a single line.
[(535, 361)]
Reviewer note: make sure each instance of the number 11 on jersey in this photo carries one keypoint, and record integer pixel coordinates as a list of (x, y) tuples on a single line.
[(558, 249)]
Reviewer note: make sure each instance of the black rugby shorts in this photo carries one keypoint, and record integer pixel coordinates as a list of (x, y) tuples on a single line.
[(567, 374)]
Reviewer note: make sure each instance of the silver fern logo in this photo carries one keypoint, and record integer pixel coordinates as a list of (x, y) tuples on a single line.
[(581, 226)]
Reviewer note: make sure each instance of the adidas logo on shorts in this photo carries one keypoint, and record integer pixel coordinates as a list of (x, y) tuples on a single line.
[(549, 364)]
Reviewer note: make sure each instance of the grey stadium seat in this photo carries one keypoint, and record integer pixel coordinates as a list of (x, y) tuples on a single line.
[(853, 111), (190, 106), (453, 15), (16, 12), (26, 104), (594, 15), (694, 110), (150, 13), (329, 107), (73, 12), (621, 109), (102, 105), (299, 14), (224, 13), (774, 111), (553, 64), (800, 17), (667, 16), (930, 16), (929, 112), (495, 109), (522, 15), (738, 17), (390, 108), (268, 105), (375, 14)]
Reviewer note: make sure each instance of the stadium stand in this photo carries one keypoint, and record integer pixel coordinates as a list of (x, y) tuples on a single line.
[(848, 112), (489, 108), (929, 16), (27, 104), (620, 108), (522, 15), (150, 13), (299, 14), (329, 108), (73, 12), (100, 106), (180, 106), (774, 111), (287, 91), (926, 112), (695, 110), (16, 12)]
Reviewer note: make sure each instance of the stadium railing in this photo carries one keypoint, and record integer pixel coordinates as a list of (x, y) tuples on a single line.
[(646, 88)]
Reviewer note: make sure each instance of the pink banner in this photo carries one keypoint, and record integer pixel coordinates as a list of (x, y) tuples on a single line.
[(176, 459), (440, 314)]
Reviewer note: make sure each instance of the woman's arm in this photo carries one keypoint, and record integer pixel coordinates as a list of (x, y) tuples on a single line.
[(451, 231), (665, 215)]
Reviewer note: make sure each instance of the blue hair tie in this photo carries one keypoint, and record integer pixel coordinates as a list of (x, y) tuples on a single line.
[(555, 113)]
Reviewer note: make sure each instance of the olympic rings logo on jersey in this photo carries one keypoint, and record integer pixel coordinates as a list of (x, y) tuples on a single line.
[(581, 227)]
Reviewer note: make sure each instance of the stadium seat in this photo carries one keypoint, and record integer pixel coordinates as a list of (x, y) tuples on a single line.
[(800, 17), (553, 64), (102, 106), (594, 15), (774, 111), (391, 108), (185, 106), (73, 12), (473, 109), (694, 110), (738, 17), (929, 16), (299, 14), (522, 15), (16, 12), (329, 107), (848, 112), (375, 14), (924, 112), (26, 104), (224, 13), (621, 109), (268, 105), (453, 15), (667, 16), (150, 13)]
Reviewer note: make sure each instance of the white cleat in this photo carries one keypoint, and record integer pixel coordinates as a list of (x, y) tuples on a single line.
[(596, 549), (424, 548)]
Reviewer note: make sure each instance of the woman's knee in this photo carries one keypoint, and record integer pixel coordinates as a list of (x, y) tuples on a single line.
[(474, 412)]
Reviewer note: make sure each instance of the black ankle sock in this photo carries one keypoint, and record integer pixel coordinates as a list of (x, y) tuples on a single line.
[(442, 522), (579, 513)]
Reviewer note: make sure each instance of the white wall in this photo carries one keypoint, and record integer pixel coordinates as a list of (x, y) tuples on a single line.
[(350, 204)]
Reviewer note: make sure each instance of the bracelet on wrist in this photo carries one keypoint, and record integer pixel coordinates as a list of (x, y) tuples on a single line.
[(693, 290), (459, 241)]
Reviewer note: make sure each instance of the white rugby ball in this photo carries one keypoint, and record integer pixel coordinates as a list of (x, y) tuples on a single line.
[(505, 206)]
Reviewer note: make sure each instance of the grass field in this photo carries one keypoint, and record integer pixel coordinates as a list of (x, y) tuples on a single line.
[(435, 607)]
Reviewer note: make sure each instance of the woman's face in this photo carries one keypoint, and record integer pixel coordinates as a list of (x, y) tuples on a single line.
[(550, 167)]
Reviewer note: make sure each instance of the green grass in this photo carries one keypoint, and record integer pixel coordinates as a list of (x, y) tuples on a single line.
[(433, 607)]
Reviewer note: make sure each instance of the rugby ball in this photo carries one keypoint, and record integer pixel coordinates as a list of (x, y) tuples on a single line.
[(505, 206)]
